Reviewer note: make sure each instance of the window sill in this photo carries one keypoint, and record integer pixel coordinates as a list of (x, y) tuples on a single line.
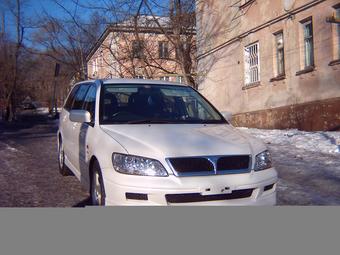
[(251, 85), (308, 69), (334, 62), (246, 4), (278, 78)]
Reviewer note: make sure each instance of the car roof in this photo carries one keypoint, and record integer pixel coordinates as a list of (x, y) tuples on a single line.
[(140, 81)]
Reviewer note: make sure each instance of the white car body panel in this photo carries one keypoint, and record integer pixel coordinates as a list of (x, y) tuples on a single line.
[(162, 141)]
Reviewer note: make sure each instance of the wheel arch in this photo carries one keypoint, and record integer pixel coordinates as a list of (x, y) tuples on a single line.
[(91, 164), (59, 137)]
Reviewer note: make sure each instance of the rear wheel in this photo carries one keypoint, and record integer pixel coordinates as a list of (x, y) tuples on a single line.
[(63, 170), (97, 186)]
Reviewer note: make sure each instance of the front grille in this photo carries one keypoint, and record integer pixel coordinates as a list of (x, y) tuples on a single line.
[(233, 163), (197, 197), (187, 165), (210, 165)]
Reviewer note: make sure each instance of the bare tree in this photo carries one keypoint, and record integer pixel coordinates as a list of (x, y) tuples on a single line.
[(135, 25), (11, 51), (68, 39), (180, 32)]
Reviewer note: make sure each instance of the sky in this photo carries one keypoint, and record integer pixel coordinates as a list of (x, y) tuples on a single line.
[(33, 9)]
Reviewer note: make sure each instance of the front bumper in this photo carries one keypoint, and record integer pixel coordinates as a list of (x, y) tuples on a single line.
[(259, 187)]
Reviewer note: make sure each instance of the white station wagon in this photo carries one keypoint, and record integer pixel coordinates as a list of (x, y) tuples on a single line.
[(142, 142)]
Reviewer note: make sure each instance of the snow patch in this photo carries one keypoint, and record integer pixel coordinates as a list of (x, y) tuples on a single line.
[(324, 142), (42, 110), (11, 148)]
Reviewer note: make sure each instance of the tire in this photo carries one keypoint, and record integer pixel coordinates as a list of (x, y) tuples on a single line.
[(97, 191), (63, 169)]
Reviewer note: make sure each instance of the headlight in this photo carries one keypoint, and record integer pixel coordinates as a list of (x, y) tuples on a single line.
[(263, 161), (133, 165)]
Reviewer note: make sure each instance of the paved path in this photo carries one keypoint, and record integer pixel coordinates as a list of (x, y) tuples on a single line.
[(29, 174), (306, 178)]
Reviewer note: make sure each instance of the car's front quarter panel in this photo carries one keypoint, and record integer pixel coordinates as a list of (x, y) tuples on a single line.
[(102, 146), (99, 146)]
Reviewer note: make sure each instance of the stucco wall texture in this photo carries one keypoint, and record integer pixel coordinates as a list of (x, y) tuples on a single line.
[(224, 29)]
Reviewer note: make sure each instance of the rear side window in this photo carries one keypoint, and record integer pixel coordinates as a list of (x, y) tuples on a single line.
[(90, 102), (70, 99), (80, 96)]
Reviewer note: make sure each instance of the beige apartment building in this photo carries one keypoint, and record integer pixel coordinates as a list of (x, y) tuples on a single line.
[(138, 49), (272, 63)]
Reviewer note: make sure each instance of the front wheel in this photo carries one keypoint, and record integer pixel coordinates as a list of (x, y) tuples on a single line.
[(97, 186)]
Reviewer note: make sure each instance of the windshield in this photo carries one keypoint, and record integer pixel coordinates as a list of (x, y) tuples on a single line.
[(163, 104)]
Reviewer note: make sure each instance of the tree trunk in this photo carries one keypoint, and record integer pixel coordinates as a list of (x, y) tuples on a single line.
[(11, 102), (9, 109)]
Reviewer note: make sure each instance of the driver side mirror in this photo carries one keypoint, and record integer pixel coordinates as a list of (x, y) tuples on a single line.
[(227, 115), (80, 116)]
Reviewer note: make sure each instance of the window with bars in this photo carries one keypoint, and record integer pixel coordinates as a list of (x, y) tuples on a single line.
[(252, 64), (280, 58), (163, 49), (308, 43)]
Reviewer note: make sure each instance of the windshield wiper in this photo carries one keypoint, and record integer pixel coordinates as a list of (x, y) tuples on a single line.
[(149, 121)]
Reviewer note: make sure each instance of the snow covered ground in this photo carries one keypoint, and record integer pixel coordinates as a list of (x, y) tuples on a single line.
[(308, 164), (324, 142)]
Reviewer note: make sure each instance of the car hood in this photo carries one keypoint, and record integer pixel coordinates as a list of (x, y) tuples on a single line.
[(159, 140)]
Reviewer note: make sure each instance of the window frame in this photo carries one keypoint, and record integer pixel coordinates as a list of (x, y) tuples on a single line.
[(140, 77), (137, 49), (337, 15), (163, 49), (182, 47), (180, 79), (251, 64), (164, 78), (310, 38), (279, 50)]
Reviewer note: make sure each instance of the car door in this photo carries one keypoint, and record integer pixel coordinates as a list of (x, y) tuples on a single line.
[(74, 129), (66, 124), (85, 132)]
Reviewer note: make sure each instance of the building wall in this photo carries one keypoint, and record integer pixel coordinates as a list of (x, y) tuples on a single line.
[(113, 58), (224, 30)]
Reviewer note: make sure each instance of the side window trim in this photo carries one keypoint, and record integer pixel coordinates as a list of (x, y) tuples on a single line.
[(86, 85), (91, 85), (71, 96)]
